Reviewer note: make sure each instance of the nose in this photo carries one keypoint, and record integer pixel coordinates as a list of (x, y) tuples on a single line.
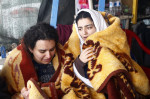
[(84, 31), (48, 54)]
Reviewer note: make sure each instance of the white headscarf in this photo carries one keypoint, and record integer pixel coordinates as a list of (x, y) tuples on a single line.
[(98, 21)]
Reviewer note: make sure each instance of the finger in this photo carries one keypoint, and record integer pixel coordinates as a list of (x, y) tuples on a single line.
[(23, 89), (89, 51), (26, 95), (89, 55), (89, 48), (90, 58), (29, 90), (26, 88)]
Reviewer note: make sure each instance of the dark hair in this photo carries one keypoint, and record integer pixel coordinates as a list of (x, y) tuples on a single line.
[(83, 14), (40, 31)]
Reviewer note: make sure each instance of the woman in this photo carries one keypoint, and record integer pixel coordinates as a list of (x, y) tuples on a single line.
[(85, 27), (33, 69), (37, 68), (104, 48)]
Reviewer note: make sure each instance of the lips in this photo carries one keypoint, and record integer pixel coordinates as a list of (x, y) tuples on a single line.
[(47, 60), (84, 38)]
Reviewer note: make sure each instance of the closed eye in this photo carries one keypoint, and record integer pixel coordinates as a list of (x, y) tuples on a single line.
[(52, 49), (42, 51)]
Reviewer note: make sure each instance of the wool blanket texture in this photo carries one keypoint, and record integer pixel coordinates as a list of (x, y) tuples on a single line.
[(19, 72), (112, 68)]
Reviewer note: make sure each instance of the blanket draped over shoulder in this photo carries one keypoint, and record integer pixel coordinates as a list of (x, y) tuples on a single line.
[(112, 62), (110, 68), (19, 72)]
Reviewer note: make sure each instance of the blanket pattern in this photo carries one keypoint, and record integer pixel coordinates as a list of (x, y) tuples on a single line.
[(77, 85), (119, 76), (19, 72), (112, 70)]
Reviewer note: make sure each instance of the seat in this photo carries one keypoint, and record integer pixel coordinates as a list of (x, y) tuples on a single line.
[(130, 35)]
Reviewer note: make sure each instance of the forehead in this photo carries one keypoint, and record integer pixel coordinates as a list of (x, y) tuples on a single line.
[(84, 21), (44, 44)]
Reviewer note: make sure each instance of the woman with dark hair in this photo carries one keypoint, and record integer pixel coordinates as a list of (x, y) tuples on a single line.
[(37, 68), (36, 59), (101, 57)]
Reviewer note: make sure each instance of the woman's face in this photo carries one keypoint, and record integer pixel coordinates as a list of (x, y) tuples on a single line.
[(85, 27), (44, 51)]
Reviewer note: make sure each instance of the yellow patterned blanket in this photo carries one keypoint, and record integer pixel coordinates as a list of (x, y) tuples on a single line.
[(112, 61), (112, 64), (19, 72)]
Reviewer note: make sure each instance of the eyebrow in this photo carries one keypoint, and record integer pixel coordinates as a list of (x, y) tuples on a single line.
[(86, 25), (53, 48), (46, 49)]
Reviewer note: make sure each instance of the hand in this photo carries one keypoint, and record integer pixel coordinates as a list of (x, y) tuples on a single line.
[(87, 55), (25, 92)]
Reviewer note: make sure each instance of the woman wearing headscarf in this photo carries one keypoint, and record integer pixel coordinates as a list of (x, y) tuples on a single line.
[(101, 57)]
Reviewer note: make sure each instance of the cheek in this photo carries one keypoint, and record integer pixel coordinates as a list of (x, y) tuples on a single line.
[(38, 55), (80, 33), (53, 53), (92, 31)]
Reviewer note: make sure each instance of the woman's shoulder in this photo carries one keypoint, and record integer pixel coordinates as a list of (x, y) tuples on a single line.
[(14, 55), (15, 52)]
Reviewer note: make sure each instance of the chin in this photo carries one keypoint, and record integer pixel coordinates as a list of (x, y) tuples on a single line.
[(46, 62), (84, 39)]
